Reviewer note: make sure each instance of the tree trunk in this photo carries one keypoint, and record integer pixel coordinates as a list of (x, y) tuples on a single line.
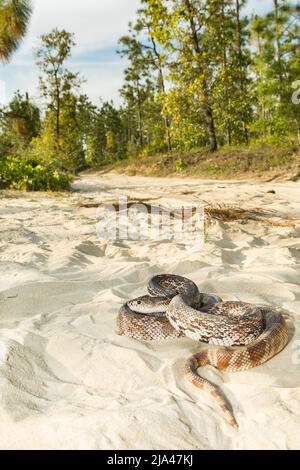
[(225, 67), (57, 114), (278, 49), (210, 123), (209, 118), (298, 131), (240, 56), (140, 117), (58, 123), (166, 117), (163, 89), (168, 132)]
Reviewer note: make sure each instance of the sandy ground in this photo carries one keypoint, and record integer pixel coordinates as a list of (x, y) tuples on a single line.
[(67, 381)]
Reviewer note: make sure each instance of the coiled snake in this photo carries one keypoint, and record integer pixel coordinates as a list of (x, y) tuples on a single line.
[(244, 335)]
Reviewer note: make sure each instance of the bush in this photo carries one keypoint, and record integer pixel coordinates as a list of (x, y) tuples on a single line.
[(181, 165), (24, 175)]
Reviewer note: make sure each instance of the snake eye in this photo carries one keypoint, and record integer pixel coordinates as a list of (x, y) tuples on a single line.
[(139, 302)]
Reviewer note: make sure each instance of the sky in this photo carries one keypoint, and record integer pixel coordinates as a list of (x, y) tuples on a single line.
[(97, 24)]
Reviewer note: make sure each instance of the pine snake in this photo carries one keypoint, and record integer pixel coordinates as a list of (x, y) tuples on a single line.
[(244, 335)]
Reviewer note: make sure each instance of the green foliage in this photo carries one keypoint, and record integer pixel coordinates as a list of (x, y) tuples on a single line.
[(14, 19), (220, 92), (147, 125), (31, 176), (19, 123), (276, 66), (181, 165), (200, 73), (58, 86)]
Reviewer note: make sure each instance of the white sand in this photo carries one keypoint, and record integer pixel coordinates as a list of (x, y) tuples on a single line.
[(68, 382)]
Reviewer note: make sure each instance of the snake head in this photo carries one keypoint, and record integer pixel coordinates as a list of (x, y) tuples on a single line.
[(148, 305)]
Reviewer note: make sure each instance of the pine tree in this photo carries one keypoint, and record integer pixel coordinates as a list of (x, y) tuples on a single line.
[(179, 27), (139, 91), (275, 36), (56, 81)]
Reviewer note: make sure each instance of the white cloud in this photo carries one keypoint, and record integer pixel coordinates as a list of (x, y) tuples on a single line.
[(97, 24), (258, 6)]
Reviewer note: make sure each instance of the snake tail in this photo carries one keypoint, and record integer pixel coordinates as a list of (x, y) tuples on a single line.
[(191, 370)]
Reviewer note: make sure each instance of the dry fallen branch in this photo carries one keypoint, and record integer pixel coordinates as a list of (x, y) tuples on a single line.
[(229, 213), (90, 204), (223, 212)]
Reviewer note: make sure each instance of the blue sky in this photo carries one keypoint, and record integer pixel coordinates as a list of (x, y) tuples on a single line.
[(97, 24)]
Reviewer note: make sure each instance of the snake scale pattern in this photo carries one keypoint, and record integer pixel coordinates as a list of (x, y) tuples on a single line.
[(243, 335)]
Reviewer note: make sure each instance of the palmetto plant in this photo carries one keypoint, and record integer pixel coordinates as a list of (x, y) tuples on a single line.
[(14, 19)]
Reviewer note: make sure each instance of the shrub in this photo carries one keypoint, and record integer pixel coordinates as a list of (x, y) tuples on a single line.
[(25, 175), (181, 165)]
